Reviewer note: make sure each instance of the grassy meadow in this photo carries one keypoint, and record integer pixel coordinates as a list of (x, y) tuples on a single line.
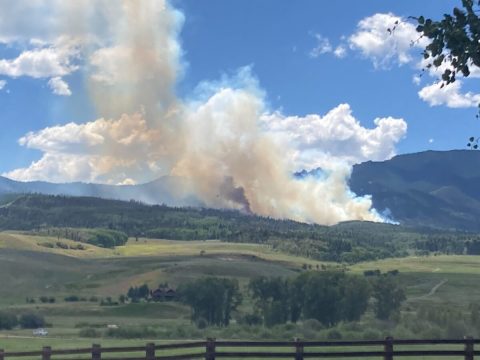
[(30, 269)]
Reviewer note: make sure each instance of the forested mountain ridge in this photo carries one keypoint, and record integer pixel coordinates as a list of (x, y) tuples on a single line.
[(433, 188), (346, 242)]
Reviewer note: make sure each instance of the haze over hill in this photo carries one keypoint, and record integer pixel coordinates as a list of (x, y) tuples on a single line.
[(433, 188)]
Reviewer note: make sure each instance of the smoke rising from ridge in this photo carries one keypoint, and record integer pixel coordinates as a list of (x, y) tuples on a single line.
[(226, 143)]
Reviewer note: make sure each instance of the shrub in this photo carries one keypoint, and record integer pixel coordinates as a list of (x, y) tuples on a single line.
[(371, 334), (47, 245), (61, 245), (108, 302), (313, 324), (89, 333), (252, 319), (131, 333), (106, 238), (77, 247), (202, 323), (7, 320), (31, 321), (72, 298), (334, 335), (456, 329)]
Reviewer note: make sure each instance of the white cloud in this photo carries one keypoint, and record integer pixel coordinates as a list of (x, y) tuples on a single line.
[(340, 51), (104, 151), (376, 43), (384, 48), (338, 136), (127, 181), (2, 84), (450, 95), (40, 63), (46, 60), (323, 46), (59, 86)]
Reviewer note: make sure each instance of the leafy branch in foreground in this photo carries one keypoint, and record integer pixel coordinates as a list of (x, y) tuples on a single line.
[(454, 45)]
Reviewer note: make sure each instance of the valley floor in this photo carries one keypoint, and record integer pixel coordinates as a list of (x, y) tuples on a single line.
[(30, 270)]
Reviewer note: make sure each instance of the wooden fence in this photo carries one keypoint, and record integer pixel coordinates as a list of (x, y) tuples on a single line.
[(211, 349)]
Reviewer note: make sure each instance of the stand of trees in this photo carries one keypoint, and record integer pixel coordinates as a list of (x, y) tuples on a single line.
[(212, 300), (328, 297), (135, 294), (106, 238), (9, 320)]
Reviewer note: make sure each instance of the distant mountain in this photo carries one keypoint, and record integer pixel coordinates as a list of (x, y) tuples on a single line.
[(432, 188), (166, 190)]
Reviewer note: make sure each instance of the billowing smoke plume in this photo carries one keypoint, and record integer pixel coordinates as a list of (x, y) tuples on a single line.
[(233, 152)]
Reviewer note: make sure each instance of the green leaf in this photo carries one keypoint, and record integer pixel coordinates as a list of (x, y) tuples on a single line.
[(421, 20), (457, 12)]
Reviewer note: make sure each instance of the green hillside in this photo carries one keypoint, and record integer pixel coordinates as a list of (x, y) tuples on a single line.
[(31, 271), (53, 264), (102, 222)]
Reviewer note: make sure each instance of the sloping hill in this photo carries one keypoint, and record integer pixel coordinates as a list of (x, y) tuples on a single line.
[(432, 188), (439, 189)]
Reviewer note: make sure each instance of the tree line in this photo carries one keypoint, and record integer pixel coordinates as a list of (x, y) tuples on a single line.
[(10, 320), (109, 223), (328, 297)]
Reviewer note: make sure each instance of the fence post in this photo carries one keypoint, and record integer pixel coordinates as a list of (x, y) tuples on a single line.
[(210, 350), (46, 353), (468, 348), (96, 352), (2, 354), (388, 348), (150, 351), (298, 349)]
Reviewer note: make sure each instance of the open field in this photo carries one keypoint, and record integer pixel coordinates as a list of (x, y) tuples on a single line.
[(453, 264), (29, 269), (62, 272), (453, 278), (146, 247)]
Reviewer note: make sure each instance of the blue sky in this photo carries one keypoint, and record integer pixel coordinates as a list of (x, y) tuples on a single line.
[(275, 38), (221, 36)]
